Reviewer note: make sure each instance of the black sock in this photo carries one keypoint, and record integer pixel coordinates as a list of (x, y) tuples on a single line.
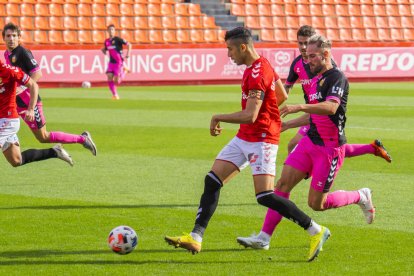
[(34, 155), (285, 207), (208, 202)]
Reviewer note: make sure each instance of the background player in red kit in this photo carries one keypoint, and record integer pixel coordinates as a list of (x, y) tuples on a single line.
[(21, 57), (255, 144), (10, 78)]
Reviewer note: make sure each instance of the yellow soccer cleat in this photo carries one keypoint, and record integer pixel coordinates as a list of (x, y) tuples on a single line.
[(185, 241), (317, 242)]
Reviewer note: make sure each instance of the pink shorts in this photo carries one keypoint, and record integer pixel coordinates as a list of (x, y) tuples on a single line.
[(303, 130), (23, 100), (114, 68), (323, 163)]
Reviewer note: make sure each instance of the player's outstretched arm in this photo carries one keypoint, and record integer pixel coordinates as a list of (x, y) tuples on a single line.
[(297, 122)]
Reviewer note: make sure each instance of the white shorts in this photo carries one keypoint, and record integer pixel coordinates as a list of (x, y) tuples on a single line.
[(8, 132), (260, 155)]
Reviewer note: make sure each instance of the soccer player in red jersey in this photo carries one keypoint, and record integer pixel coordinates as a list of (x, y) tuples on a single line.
[(255, 144), (10, 78), (116, 69), (21, 57)]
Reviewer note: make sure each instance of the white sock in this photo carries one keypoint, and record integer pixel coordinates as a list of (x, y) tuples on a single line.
[(314, 228), (264, 236), (196, 237)]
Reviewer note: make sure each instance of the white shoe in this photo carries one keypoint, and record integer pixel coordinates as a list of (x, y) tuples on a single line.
[(89, 144), (254, 242), (366, 204), (63, 154)]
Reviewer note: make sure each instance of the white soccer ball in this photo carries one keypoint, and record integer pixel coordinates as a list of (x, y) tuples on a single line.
[(122, 240), (86, 84)]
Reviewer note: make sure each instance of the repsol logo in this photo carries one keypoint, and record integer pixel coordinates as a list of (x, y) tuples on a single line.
[(372, 62)]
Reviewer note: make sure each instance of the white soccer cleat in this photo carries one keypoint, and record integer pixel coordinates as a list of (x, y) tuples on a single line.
[(366, 205), (89, 144), (63, 154), (254, 242)]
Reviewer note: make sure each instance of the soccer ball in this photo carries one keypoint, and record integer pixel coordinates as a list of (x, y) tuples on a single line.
[(122, 240), (86, 84)]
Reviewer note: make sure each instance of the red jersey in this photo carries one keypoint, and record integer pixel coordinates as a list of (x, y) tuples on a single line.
[(10, 77), (261, 76)]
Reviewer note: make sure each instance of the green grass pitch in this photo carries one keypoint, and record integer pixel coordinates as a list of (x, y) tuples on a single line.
[(154, 150)]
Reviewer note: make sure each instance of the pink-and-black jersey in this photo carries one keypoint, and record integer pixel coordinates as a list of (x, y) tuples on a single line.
[(24, 59), (328, 130), (299, 69), (114, 47)]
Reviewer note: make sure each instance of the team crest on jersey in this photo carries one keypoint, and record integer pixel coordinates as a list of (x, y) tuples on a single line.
[(321, 82), (13, 59)]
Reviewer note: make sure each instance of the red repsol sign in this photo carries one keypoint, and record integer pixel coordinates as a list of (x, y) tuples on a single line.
[(213, 64)]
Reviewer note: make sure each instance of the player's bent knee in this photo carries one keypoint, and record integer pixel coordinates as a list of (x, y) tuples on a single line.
[(316, 206)]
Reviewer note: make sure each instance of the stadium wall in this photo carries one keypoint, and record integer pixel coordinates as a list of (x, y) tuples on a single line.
[(211, 65)]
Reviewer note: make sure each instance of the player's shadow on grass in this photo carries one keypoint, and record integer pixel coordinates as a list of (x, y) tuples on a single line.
[(132, 206), (21, 257)]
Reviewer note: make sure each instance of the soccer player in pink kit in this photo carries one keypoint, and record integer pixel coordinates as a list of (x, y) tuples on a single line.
[(255, 144), (10, 78), (321, 152), (115, 71), (300, 70), (21, 57)]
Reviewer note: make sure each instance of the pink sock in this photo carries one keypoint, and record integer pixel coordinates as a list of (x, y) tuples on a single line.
[(112, 87), (66, 138), (273, 218), (341, 198), (352, 150)]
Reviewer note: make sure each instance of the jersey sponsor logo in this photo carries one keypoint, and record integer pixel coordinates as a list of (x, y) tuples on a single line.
[(315, 96), (273, 86), (306, 82), (337, 90)]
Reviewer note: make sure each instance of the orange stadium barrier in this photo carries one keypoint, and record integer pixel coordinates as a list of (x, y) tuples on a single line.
[(348, 23)]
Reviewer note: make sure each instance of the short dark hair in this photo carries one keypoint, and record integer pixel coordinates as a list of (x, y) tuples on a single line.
[(306, 31), (320, 41), (13, 27), (240, 33), (110, 25)]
